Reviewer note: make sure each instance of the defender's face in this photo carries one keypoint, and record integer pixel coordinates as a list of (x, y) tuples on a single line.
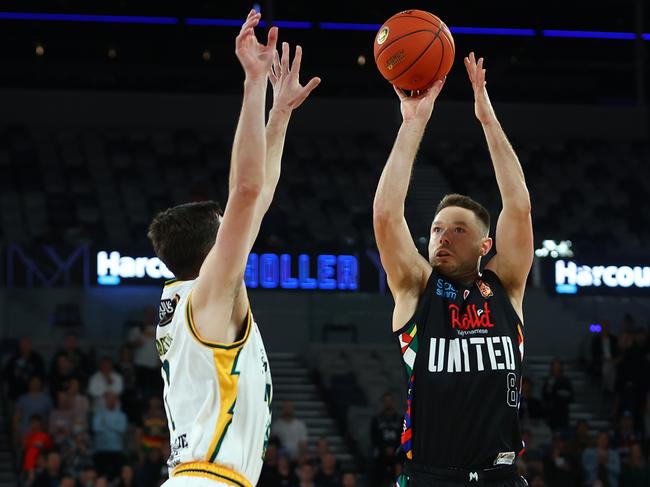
[(456, 241)]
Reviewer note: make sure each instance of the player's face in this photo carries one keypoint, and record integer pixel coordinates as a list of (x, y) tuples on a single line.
[(457, 242)]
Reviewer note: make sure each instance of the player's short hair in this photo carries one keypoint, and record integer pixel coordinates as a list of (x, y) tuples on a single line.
[(183, 235), (455, 199)]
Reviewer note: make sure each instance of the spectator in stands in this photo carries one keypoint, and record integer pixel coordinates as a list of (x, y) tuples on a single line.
[(87, 476), (130, 399), (329, 475), (626, 435), (80, 403), (142, 340), (322, 447), (604, 356), (61, 419), (34, 402), (349, 479), (36, 442), (148, 472), (631, 387), (127, 477), (385, 434), (560, 468), (286, 474), (102, 481), (153, 433), (269, 473), (60, 375), (21, 367), (78, 359), (601, 463), (53, 472), (386, 427), (103, 381), (635, 471), (530, 408), (109, 426), (77, 450), (291, 431), (306, 476), (67, 481), (581, 439), (558, 394)]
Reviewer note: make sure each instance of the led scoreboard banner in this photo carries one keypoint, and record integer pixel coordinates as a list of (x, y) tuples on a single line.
[(326, 272)]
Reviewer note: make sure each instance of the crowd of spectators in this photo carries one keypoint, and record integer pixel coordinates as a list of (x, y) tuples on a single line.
[(290, 463), (84, 421), (81, 422), (561, 454)]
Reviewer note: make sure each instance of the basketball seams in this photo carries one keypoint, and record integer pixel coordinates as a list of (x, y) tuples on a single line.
[(435, 38), (405, 70), (439, 64), (409, 20), (383, 48)]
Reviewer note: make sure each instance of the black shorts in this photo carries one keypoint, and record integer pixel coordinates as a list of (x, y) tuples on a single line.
[(420, 476)]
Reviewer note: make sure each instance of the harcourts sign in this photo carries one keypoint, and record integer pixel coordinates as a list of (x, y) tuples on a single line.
[(572, 278), (113, 267)]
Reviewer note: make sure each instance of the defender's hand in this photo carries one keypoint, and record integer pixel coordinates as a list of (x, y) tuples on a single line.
[(255, 58), (288, 93)]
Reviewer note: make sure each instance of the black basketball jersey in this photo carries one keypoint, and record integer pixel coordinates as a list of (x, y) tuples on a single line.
[(463, 352)]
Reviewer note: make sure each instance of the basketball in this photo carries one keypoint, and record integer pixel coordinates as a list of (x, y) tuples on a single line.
[(413, 49)]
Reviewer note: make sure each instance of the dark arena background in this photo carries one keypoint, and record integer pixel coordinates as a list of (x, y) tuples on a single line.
[(111, 111)]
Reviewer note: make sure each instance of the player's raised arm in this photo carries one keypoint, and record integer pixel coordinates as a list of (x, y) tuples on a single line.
[(220, 278), (288, 94), (514, 233), (406, 269)]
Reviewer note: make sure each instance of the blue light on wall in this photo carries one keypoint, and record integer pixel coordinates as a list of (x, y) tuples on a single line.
[(347, 26), (588, 34), (296, 24), (109, 19), (493, 31)]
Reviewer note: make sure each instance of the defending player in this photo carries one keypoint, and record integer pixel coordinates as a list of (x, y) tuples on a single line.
[(460, 330), (214, 365)]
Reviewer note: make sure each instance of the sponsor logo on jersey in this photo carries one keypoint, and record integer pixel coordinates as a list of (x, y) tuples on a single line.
[(471, 318), (486, 292), (163, 343), (505, 458), (476, 354), (179, 443), (446, 290), (166, 310)]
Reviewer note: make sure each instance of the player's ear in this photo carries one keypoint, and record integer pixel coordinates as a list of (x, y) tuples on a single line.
[(486, 246)]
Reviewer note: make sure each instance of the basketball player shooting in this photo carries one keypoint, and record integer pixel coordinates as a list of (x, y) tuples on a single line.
[(218, 390), (459, 329)]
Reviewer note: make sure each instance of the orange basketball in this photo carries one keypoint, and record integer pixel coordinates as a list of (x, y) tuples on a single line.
[(413, 49)]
